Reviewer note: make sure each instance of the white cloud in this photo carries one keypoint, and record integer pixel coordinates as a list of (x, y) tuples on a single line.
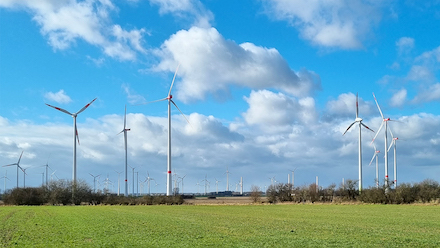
[(432, 93), (132, 97), (64, 22), (399, 98), (342, 23), (59, 97), (210, 64), (345, 106), (274, 112), (405, 45), (188, 9)]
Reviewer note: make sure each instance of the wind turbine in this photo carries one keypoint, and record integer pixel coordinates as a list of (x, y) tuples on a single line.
[(132, 193), (125, 144), (394, 143), (17, 164), (169, 99), (375, 155), (181, 178), (148, 178), (359, 120), (227, 178), (75, 134), (216, 184), (24, 176), (385, 120), (47, 169), (119, 185), (293, 176), (5, 177), (94, 181)]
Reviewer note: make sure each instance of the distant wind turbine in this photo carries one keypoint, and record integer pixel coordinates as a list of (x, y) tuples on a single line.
[(17, 164), (169, 99), (385, 120), (75, 133), (148, 179), (47, 170), (227, 178), (125, 144), (94, 181), (119, 185), (216, 185), (359, 120), (375, 155)]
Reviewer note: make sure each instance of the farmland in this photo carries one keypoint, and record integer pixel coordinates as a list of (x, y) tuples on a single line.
[(221, 225)]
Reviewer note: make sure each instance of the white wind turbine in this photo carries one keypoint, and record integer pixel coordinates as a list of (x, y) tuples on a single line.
[(125, 130), (119, 185), (148, 178), (94, 181), (385, 120), (375, 155), (47, 170), (216, 185), (227, 178), (169, 99), (394, 143), (17, 164), (359, 120), (75, 133)]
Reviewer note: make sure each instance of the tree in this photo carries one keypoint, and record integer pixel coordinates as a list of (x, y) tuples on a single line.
[(255, 194)]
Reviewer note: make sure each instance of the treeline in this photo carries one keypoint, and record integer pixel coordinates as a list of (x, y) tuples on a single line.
[(63, 192), (425, 192)]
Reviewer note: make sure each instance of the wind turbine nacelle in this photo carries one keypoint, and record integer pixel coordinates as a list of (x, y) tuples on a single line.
[(170, 96), (358, 119)]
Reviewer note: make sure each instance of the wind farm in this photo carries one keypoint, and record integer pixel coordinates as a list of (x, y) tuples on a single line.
[(271, 136)]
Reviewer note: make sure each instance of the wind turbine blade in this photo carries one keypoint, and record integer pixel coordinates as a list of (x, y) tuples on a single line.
[(81, 110), (392, 143), (367, 127), (172, 83), (76, 134), (349, 127), (392, 136), (181, 112), (125, 116), (381, 125), (357, 106), (374, 155), (20, 158), (60, 109), (378, 106), (151, 102)]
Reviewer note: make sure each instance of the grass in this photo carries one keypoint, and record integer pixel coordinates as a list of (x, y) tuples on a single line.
[(221, 226)]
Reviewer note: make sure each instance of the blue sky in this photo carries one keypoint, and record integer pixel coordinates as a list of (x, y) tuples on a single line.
[(268, 86)]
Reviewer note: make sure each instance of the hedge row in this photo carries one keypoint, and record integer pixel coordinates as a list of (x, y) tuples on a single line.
[(63, 192)]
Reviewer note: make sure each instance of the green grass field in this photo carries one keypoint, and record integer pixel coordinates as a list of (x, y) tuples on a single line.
[(221, 226)]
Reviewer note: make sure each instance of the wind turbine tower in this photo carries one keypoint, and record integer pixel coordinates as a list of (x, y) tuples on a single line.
[(75, 134), (359, 120), (125, 130), (394, 143)]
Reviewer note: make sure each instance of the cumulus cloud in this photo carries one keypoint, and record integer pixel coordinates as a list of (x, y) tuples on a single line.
[(342, 24), (64, 22), (345, 106), (210, 64), (189, 9), (399, 98), (274, 112), (59, 97)]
